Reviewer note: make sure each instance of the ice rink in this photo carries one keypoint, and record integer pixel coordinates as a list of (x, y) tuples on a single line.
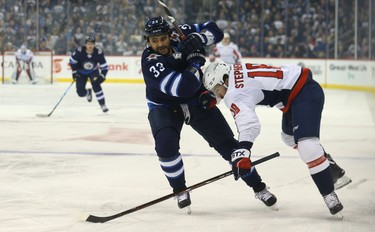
[(81, 160)]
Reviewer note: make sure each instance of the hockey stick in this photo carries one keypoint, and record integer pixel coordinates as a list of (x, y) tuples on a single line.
[(172, 19), (66, 91), (96, 219)]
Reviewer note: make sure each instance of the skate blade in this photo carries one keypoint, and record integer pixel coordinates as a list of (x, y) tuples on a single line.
[(339, 216), (187, 210), (274, 207), (342, 182)]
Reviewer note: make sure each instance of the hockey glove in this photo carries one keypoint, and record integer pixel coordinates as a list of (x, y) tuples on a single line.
[(75, 76), (197, 58), (207, 99), (241, 163), (193, 42), (99, 79)]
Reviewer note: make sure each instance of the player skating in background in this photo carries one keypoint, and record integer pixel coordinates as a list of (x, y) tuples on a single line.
[(172, 74), (227, 51), (291, 89), (24, 61), (88, 62)]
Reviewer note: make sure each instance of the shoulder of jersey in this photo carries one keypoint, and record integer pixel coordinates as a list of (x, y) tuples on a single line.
[(150, 56), (219, 45)]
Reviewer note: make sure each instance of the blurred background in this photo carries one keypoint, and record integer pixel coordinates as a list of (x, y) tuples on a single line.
[(342, 29)]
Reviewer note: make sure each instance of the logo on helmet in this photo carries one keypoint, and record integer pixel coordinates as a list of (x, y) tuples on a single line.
[(90, 39), (156, 26)]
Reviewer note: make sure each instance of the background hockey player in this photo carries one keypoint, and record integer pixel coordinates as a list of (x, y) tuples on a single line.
[(24, 61), (172, 74), (290, 88), (88, 62), (227, 51)]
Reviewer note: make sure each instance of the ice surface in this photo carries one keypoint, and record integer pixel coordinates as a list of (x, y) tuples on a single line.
[(81, 160)]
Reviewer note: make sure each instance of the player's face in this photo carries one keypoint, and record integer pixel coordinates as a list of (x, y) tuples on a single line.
[(90, 47), (226, 41), (161, 44), (219, 91)]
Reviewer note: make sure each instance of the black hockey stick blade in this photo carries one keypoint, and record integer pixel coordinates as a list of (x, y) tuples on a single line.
[(97, 219), (43, 115), (61, 98)]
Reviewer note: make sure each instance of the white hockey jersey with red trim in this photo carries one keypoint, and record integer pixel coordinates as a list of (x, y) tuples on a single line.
[(227, 53), (258, 84), (26, 56)]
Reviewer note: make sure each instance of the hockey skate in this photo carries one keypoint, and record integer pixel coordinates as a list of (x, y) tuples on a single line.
[(333, 203), (89, 95), (183, 201), (267, 198), (338, 174), (104, 108)]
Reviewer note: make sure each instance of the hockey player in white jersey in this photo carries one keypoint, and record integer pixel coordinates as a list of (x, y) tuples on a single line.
[(226, 51), (291, 89), (24, 61)]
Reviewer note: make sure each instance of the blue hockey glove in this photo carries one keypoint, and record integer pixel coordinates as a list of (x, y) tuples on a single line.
[(75, 76), (207, 99), (193, 42), (197, 57), (241, 163), (99, 79)]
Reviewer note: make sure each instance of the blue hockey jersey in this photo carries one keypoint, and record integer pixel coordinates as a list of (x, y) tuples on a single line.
[(168, 79), (85, 64)]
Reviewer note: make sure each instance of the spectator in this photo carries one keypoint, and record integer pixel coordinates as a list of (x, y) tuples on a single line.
[(242, 19), (78, 36)]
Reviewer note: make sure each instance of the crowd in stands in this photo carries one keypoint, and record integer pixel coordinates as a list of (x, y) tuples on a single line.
[(260, 28)]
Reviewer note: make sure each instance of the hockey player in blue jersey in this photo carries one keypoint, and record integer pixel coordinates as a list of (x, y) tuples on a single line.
[(88, 62), (175, 95)]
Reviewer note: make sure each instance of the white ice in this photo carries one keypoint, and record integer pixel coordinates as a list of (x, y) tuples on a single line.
[(81, 160)]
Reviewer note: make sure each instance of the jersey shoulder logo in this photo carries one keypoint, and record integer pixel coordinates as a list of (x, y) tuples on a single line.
[(152, 56), (234, 109)]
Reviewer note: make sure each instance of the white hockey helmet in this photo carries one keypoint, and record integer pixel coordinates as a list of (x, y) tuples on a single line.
[(214, 74), (23, 49)]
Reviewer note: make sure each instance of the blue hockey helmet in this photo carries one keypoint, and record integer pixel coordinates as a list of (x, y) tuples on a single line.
[(90, 39), (156, 26)]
